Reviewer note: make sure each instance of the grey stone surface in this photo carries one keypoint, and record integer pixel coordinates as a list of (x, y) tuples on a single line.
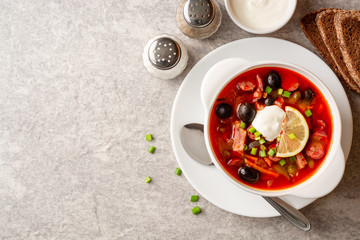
[(75, 106)]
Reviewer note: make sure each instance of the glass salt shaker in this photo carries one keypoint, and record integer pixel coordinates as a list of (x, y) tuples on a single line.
[(165, 56), (198, 18)]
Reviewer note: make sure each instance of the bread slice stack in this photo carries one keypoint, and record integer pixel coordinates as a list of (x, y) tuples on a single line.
[(336, 35)]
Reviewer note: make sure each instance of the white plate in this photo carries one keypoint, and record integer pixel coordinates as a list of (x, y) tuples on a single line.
[(187, 108)]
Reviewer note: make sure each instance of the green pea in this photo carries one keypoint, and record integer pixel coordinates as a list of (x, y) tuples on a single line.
[(291, 169), (296, 96)]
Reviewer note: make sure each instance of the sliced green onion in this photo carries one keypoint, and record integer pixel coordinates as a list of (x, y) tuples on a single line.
[(271, 152), (257, 134), (178, 171), (253, 151), (280, 91), (151, 149), (148, 137), (148, 179), (268, 89), (276, 149), (308, 113), (243, 125), (292, 136), (196, 210), (245, 147), (282, 162), (262, 141), (194, 198), (286, 94), (252, 130), (292, 159), (257, 138), (262, 147), (262, 153)]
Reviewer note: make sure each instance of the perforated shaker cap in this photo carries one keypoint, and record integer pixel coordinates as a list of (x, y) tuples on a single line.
[(164, 53), (199, 13)]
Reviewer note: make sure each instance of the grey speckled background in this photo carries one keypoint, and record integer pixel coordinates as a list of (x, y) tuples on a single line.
[(75, 105)]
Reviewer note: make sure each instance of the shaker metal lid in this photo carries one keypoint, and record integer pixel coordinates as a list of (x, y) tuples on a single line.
[(199, 13), (164, 53)]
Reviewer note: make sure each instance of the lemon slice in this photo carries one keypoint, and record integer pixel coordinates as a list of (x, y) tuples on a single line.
[(294, 135)]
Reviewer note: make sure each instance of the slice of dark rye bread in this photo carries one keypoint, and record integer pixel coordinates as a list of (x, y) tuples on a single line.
[(347, 27), (325, 24), (309, 27)]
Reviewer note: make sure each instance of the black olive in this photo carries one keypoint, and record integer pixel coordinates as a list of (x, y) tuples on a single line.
[(274, 80), (223, 110), (246, 112), (309, 94), (269, 100), (254, 144), (249, 174)]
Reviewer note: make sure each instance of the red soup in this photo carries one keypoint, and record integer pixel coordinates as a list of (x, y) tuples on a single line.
[(280, 158)]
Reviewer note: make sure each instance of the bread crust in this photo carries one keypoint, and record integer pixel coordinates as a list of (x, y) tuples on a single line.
[(347, 27), (309, 25), (325, 24)]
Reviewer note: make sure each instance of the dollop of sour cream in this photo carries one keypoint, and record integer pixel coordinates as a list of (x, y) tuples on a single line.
[(269, 122), (260, 14)]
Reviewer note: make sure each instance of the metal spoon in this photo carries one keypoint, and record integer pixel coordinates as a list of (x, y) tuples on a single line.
[(192, 139)]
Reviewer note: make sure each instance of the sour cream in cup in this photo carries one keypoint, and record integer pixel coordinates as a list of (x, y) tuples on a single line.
[(260, 16)]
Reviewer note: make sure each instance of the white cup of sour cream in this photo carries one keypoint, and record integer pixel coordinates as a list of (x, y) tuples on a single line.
[(260, 16)]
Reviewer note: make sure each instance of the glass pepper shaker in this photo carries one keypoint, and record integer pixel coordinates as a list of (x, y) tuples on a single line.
[(165, 56), (198, 18)]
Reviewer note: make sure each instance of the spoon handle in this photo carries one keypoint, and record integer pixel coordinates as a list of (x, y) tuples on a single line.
[(290, 213)]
